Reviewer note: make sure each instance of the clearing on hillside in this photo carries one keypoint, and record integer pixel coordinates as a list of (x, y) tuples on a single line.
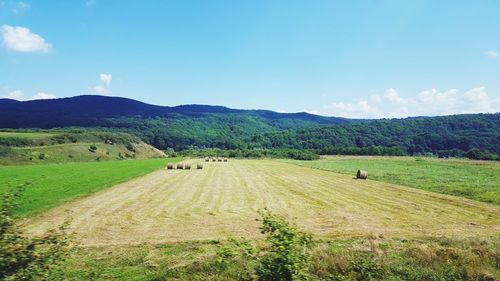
[(222, 200)]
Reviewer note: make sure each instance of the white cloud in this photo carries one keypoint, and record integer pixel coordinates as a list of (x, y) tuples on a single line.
[(426, 103), (43, 96), (103, 89), (22, 5), (106, 78), (16, 95), (20, 96), (392, 95), (492, 53), (21, 39)]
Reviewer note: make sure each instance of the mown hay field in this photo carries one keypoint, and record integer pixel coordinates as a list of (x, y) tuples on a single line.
[(222, 200), (478, 180)]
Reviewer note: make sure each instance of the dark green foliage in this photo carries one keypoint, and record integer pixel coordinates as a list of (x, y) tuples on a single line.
[(296, 154), (92, 148), (15, 141), (367, 268), (41, 156), (446, 135), (367, 150), (287, 258), (130, 147), (23, 258)]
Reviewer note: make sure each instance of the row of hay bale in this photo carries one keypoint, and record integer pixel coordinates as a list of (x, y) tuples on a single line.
[(182, 166), (215, 159)]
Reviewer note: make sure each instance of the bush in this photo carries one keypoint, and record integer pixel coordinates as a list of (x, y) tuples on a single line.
[(41, 156), (288, 257), (130, 147), (92, 148), (23, 258)]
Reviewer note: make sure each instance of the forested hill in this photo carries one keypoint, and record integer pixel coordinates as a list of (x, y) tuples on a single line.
[(165, 127), (200, 126), (88, 109), (446, 135)]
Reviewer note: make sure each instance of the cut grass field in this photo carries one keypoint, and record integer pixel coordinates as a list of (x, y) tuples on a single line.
[(222, 200), (478, 180), (52, 184)]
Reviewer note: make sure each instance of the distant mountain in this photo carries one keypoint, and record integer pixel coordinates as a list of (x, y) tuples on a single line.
[(163, 126), (85, 110), (203, 126)]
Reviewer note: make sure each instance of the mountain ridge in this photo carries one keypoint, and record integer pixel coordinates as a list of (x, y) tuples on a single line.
[(14, 114), (205, 126)]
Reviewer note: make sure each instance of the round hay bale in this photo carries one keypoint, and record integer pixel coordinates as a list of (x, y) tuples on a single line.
[(187, 166), (362, 175), (199, 166), (207, 159), (225, 159), (180, 166), (170, 166), (214, 159), (219, 159)]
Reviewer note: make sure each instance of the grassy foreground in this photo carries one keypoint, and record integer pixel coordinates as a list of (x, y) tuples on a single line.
[(371, 258), (52, 184), (478, 180)]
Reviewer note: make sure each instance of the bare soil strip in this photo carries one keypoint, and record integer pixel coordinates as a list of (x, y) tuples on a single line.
[(222, 200)]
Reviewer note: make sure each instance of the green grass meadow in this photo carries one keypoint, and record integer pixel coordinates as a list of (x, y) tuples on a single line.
[(27, 135), (52, 184), (478, 180)]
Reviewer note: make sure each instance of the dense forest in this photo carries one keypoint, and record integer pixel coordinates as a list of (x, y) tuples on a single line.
[(194, 127), (444, 136)]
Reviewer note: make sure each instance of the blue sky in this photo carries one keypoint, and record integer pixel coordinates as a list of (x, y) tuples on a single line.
[(340, 58)]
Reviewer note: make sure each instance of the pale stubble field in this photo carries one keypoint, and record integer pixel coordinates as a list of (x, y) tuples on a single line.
[(222, 201)]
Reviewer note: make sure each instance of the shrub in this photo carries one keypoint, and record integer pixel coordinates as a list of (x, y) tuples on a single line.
[(225, 256), (288, 257), (367, 269), (23, 258), (92, 148), (41, 156), (130, 147)]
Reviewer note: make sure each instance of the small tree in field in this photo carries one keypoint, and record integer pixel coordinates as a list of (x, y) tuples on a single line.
[(23, 258), (288, 257)]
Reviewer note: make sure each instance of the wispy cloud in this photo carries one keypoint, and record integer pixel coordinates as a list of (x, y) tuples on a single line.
[(21, 39), (43, 96), (20, 96), (104, 89), (22, 5), (491, 53), (430, 102), (14, 7), (16, 95), (90, 3), (106, 78)]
